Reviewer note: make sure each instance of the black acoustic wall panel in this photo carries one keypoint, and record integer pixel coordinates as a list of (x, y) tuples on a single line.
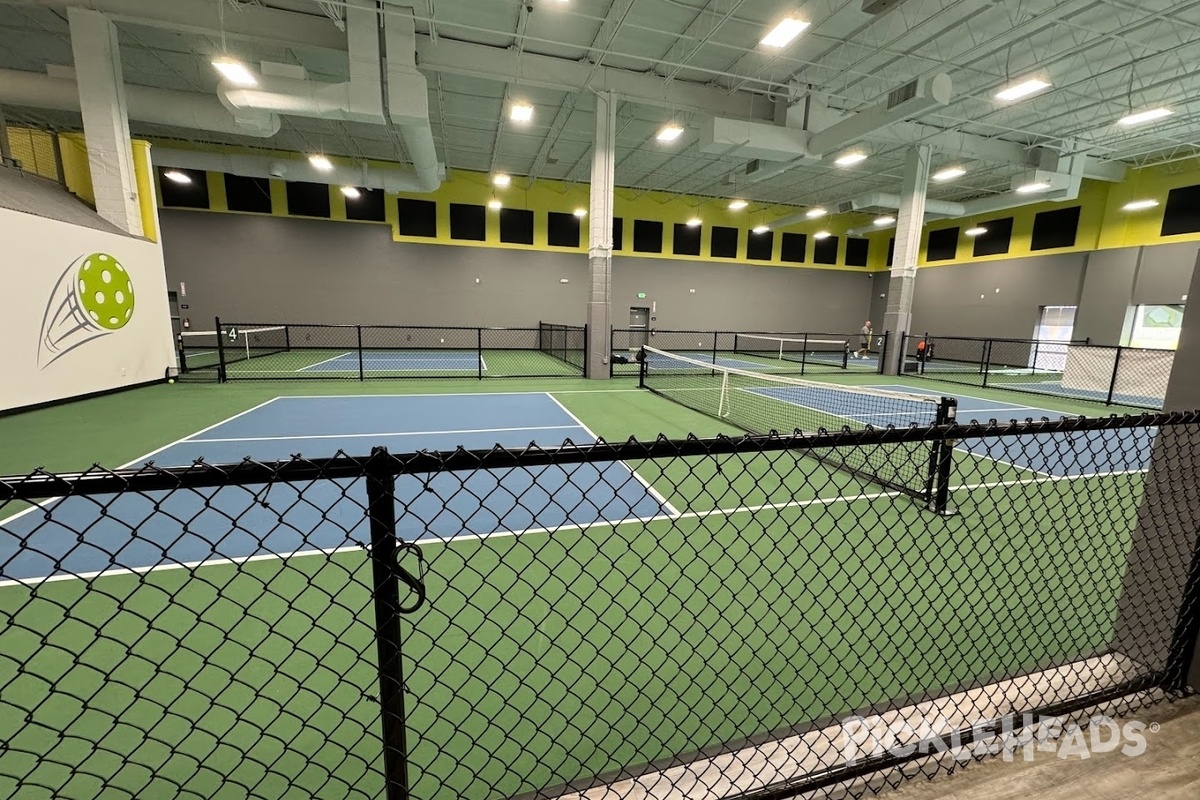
[(943, 244), (1056, 228), (516, 226), (416, 217), (193, 194), (997, 239), (248, 194), (793, 247), (468, 222), (562, 230), (647, 236), (367, 207), (825, 250), (1182, 212), (724, 242), (857, 251), (685, 240)]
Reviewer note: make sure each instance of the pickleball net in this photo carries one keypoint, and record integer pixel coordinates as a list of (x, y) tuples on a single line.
[(765, 404), (210, 349), (798, 349)]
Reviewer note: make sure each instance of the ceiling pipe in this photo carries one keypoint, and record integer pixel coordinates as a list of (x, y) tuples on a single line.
[(392, 180), (144, 104)]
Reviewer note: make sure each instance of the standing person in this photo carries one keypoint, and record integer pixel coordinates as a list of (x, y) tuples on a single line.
[(864, 340)]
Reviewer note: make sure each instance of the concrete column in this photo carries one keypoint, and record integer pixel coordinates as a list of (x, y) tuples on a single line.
[(902, 284), (600, 216), (1157, 623), (105, 121)]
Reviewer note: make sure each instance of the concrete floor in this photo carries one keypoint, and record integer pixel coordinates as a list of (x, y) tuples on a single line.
[(1169, 769)]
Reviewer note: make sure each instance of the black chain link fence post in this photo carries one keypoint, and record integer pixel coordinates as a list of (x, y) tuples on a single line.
[(362, 372)]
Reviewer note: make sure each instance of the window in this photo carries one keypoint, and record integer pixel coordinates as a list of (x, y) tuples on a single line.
[(1156, 327), (1055, 324)]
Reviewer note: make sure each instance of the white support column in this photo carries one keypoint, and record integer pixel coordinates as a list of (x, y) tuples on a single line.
[(600, 216), (909, 221), (105, 121)]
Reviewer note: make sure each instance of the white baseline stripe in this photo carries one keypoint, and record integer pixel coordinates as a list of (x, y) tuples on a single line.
[(382, 434)]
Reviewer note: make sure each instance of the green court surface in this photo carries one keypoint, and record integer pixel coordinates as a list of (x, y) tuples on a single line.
[(782, 594)]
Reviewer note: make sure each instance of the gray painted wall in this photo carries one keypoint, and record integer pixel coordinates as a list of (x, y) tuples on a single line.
[(272, 269)]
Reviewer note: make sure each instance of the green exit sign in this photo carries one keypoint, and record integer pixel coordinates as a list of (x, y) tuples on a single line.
[(641, 295)]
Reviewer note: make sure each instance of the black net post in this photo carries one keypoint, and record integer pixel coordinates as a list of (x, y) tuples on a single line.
[(612, 351), (986, 363), (1112, 383), (479, 352), (541, 335), (883, 350), (803, 355), (181, 350), (943, 458), (846, 353), (587, 348), (714, 347), (381, 511), (221, 377), (642, 366), (362, 374), (287, 338)]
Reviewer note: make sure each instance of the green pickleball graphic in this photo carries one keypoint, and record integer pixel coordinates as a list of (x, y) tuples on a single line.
[(105, 291)]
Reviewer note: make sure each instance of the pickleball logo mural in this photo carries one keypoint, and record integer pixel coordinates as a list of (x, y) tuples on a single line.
[(92, 298)]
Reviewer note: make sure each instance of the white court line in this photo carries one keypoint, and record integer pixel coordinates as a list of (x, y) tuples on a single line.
[(676, 515), (650, 489), (382, 433), (51, 501), (483, 362), (310, 366)]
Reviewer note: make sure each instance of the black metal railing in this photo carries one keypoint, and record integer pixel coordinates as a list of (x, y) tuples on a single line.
[(236, 351), (673, 613), (782, 353), (1113, 375)]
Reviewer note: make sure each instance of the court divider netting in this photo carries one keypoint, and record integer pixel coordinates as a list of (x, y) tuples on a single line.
[(766, 404)]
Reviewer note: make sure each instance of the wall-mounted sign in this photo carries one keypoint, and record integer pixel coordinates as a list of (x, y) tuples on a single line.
[(641, 295)]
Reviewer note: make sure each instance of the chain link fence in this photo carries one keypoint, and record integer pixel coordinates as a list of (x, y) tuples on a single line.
[(236, 351), (703, 617), (1125, 376)]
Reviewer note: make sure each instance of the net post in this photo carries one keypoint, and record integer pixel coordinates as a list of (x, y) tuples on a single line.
[(1112, 383), (714, 348), (362, 376), (987, 359), (612, 350), (586, 349), (287, 338), (883, 353), (381, 511), (943, 459), (736, 348), (803, 354), (643, 361), (479, 352), (181, 351), (541, 336), (1035, 356), (846, 353), (221, 376)]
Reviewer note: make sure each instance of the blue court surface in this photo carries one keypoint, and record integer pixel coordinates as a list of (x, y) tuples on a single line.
[(402, 361), (1088, 452), (1056, 387), (76, 535)]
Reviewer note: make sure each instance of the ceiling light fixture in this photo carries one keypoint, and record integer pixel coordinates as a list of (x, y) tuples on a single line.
[(813, 213), (501, 180), (494, 205), (581, 212), (234, 71), (520, 112), (1022, 89), (785, 32), (948, 174), (1144, 116), (760, 229), (882, 221), (352, 192), (822, 235), (320, 162), (1033, 188), (978, 230), (1139, 205), (737, 205), (177, 176), (694, 222), (851, 158), (669, 132)]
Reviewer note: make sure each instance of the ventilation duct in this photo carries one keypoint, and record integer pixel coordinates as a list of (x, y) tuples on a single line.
[(144, 104), (390, 179), (408, 100), (752, 140), (902, 103)]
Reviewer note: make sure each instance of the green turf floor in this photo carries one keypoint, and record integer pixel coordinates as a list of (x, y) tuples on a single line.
[(786, 593)]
